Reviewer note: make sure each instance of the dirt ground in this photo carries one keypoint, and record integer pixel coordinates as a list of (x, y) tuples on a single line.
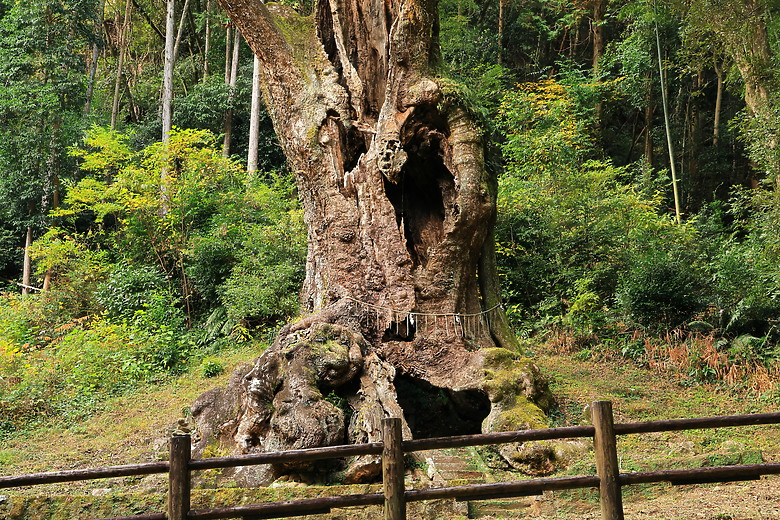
[(754, 500)]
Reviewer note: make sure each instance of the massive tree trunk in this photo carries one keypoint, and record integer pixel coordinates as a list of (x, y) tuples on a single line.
[(401, 295)]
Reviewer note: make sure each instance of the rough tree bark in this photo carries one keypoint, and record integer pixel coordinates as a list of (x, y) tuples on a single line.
[(401, 294)]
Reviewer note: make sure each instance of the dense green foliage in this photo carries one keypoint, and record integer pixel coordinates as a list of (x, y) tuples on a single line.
[(160, 254), (144, 285)]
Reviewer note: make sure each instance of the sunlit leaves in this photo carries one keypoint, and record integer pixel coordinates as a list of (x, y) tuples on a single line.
[(567, 217)]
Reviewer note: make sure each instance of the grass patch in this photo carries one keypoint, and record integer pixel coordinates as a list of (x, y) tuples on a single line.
[(130, 428)]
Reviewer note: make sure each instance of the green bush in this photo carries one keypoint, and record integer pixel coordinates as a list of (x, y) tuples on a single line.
[(586, 313), (660, 290), (567, 217), (75, 270), (743, 266), (211, 368), (20, 318), (70, 380), (746, 288), (129, 288)]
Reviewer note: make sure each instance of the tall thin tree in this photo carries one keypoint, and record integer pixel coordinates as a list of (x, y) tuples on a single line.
[(231, 79), (669, 144), (167, 90), (254, 119), (121, 62)]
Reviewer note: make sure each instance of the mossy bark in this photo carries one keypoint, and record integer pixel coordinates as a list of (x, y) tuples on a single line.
[(399, 208)]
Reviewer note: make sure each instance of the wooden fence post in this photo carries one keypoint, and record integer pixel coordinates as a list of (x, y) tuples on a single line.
[(393, 469), (605, 444), (179, 478)]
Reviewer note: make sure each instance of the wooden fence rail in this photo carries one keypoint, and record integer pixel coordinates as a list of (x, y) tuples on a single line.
[(394, 497)]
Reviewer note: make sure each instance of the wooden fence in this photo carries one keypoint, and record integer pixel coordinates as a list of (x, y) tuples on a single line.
[(608, 479)]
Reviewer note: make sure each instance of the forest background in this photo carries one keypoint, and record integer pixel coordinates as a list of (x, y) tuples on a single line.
[(115, 275)]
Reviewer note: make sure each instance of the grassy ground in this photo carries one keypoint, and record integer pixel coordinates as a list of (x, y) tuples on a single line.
[(133, 429), (639, 394)]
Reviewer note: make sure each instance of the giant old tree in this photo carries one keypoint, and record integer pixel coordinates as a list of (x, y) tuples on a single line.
[(400, 302)]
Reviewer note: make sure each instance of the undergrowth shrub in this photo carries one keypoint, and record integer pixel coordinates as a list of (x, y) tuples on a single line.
[(71, 379), (263, 287), (74, 269), (746, 287), (660, 289), (20, 320), (571, 224), (129, 288)]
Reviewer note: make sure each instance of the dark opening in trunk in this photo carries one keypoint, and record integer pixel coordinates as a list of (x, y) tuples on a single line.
[(438, 412)]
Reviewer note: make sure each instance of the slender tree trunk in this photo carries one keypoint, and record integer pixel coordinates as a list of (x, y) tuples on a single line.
[(501, 9), (167, 92), (599, 45), (133, 111), (207, 38), (51, 201), (180, 31), (649, 147), (699, 189), (120, 63), (254, 120), (27, 262), (597, 29), (232, 77), (669, 144), (401, 288), (228, 52), (718, 105), (93, 65)]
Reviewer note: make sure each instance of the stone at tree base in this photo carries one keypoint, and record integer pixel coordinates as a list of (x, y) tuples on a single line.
[(518, 393), (292, 377), (214, 412), (519, 397)]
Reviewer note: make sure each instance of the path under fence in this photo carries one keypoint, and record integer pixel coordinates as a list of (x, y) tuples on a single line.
[(608, 480)]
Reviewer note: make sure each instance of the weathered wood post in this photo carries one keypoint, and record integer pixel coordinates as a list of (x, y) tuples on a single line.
[(179, 478), (606, 461), (393, 469)]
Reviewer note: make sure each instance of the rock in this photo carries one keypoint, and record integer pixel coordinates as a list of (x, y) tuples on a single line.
[(685, 448), (532, 458), (732, 446), (518, 394)]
